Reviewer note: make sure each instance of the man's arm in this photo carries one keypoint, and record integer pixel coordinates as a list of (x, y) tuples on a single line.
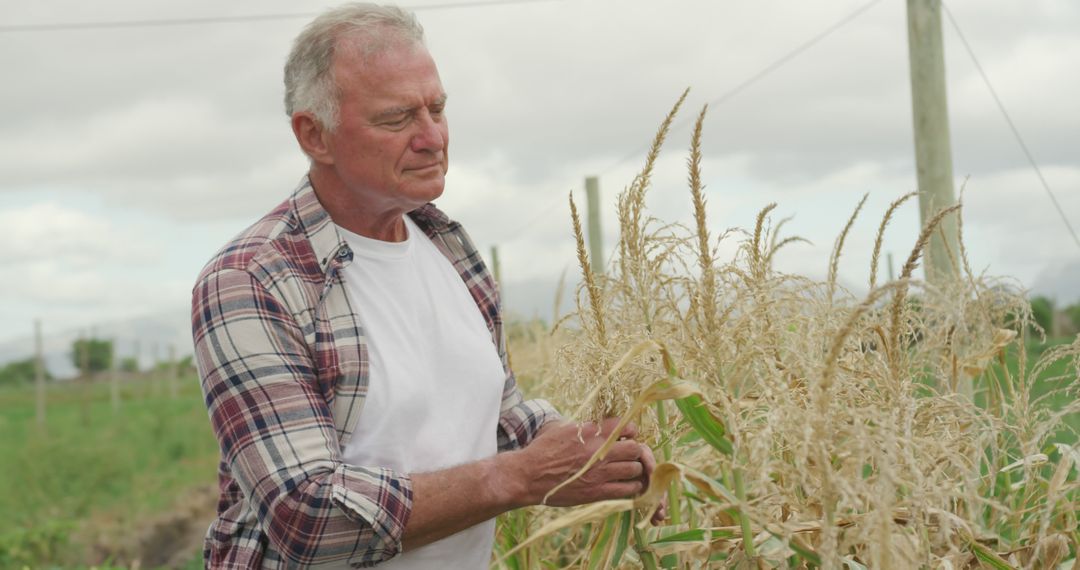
[(451, 500), (277, 433)]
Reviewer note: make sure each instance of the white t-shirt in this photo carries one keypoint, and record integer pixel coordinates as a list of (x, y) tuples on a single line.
[(435, 382)]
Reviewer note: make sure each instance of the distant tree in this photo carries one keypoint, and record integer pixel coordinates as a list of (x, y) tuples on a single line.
[(19, 372), (187, 365), (98, 354), (1042, 310), (129, 364), (1074, 314)]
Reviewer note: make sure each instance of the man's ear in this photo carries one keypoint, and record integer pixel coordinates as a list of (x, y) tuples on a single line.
[(313, 137)]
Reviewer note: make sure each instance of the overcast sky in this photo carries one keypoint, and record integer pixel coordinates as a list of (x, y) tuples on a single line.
[(129, 156)]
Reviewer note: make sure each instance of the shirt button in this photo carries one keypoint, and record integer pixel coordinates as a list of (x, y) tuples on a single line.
[(343, 253)]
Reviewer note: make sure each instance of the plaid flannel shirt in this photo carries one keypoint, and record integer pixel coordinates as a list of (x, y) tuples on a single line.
[(284, 369)]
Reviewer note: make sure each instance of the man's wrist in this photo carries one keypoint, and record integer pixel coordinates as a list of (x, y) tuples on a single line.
[(508, 481)]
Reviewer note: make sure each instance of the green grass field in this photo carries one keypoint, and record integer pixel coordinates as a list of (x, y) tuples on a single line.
[(95, 472), (1057, 382)]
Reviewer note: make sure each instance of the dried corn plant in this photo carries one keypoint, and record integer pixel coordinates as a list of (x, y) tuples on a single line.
[(799, 424)]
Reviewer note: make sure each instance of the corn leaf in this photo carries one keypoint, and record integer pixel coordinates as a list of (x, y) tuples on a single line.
[(989, 557), (576, 517), (659, 483), (805, 551), (712, 488), (699, 535), (622, 538), (601, 549), (704, 423)]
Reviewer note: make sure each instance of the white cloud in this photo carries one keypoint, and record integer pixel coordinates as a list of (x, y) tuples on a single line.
[(50, 232), (72, 266)]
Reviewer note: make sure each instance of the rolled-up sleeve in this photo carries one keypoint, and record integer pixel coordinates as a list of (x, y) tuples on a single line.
[(519, 419), (277, 434), (519, 423)]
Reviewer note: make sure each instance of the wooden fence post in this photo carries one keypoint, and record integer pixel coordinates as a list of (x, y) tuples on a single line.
[(39, 375), (155, 377), (83, 343), (173, 373), (596, 238), (114, 377)]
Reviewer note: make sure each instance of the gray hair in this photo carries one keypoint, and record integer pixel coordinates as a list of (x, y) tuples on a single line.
[(309, 78)]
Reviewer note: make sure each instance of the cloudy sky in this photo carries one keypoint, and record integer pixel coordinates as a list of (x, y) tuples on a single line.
[(129, 155)]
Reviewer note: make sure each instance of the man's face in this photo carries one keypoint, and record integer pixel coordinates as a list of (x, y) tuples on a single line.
[(390, 146)]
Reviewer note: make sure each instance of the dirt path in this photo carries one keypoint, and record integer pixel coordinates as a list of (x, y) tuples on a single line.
[(169, 540), (173, 539)]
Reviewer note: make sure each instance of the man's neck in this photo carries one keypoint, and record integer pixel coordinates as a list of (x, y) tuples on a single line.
[(361, 219)]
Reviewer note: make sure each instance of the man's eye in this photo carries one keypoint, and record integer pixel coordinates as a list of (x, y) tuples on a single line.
[(397, 122)]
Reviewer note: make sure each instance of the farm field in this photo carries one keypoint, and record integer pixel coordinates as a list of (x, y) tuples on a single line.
[(83, 495), (574, 543), (110, 488), (1059, 383), (799, 424)]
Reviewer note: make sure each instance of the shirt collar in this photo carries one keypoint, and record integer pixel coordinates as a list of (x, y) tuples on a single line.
[(322, 233)]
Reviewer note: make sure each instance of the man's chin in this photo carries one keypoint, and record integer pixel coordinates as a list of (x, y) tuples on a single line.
[(427, 192)]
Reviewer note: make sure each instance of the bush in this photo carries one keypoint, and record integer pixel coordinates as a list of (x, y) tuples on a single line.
[(1073, 311), (95, 354), (19, 372), (1042, 311)]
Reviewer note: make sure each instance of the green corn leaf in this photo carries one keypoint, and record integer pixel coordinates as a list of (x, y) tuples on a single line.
[(598, 556), (805, 551), (697, 535), (688, 438), (622, 538), (989, 557), (801, 548), (697, 415)]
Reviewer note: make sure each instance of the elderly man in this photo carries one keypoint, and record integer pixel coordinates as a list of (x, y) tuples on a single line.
[(350, 343)]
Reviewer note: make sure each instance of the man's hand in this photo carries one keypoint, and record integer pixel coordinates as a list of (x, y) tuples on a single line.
[(453, 499), (561, 449)]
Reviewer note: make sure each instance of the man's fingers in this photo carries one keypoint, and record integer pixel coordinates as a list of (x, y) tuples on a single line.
[(660, 515), (629, 431), (647, 459), (622, 489), (624, 451), (624, 471)]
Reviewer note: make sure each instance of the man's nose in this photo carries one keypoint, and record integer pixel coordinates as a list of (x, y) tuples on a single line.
[(431, 133)]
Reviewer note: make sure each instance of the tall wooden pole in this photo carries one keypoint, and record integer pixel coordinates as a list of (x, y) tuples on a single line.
[(155, 377), (84, 378), (596, 238), (496, 269), (114, 377), (933, 150), (933, 154), (173, 373), (39, 374)]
